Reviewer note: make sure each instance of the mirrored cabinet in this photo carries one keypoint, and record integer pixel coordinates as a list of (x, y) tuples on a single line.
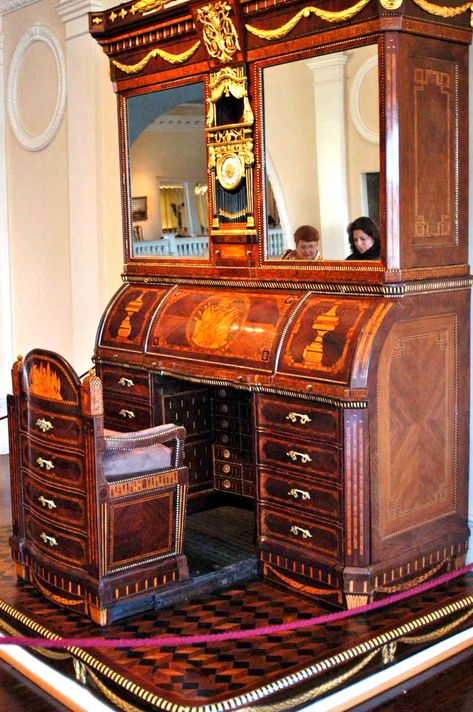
[(329, 396)]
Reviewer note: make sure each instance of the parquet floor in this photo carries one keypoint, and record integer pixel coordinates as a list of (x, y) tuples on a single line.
[(203, 672)]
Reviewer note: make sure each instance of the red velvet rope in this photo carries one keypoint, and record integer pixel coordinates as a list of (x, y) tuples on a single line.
[(178, 640)]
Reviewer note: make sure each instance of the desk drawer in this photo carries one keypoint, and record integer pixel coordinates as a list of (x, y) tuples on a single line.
[(126, 414), (59, 545), (53, 504), (308, 534), (125, 381), (305, 458), (300, 418), (52, 427), (302, 494), (53, 466)]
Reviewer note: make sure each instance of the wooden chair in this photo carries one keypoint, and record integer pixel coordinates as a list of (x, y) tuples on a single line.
[(97, 516)]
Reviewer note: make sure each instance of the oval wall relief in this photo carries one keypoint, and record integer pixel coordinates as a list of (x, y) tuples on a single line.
[(36, 33)]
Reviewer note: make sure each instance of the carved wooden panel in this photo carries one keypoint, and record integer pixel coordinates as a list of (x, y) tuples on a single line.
[(417, 431)]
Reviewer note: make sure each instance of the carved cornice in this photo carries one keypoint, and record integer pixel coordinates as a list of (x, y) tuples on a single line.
[(7, 6), (73, 9)]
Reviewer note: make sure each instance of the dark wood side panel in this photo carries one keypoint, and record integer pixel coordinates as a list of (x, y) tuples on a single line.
[(433, 114)]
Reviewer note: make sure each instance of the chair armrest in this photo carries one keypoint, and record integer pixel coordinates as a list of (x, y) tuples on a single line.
[(170, 435)]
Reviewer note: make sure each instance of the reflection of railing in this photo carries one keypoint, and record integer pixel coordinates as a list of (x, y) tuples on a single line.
[(172, 246), (276, 243)]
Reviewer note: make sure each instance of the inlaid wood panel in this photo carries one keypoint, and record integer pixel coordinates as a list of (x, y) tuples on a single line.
[(127, 317), (433, 118), (238, 327), (322, 341), (417, 392)]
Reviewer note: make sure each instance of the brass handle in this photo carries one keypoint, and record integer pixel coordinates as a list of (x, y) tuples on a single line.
[(44, 425), (303, 418), (48, 539), (127, 413), (303, 455), (49, 503), (126, 382), (305, 533), (296, 492), (47, 464)]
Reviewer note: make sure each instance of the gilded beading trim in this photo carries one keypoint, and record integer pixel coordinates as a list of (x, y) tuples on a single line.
[(325, 15), (428, 637), (167, 56), (381, 290)]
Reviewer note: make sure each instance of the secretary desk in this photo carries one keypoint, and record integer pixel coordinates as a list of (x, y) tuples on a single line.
[(330, 396)]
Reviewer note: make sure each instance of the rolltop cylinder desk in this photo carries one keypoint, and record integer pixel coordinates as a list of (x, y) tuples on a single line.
[(331, 396)]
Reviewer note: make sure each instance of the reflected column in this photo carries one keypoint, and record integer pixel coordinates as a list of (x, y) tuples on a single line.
[(328, 75)]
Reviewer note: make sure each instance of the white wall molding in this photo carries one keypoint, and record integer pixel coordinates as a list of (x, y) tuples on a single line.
[(36, 33), (355, 112)]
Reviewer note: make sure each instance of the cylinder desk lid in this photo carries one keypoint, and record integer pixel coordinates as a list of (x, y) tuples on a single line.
[(244, 335)]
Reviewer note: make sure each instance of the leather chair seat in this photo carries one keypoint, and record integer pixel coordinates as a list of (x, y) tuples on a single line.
[(138, 452)]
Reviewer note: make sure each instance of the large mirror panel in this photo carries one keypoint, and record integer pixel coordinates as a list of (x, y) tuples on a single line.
[(168, 173), (322, 157)]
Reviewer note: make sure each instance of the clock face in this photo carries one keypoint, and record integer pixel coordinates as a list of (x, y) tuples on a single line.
[(229, 174)]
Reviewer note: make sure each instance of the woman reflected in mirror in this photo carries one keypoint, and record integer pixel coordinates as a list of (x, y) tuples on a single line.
[(364, 239), (307, 240)]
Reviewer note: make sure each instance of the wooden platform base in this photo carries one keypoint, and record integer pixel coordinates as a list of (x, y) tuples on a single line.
[(283, 670)]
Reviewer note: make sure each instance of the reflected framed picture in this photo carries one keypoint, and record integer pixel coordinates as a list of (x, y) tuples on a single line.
[(139, 209)]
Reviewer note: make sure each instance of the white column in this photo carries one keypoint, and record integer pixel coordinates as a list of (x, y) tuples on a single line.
[(6, 338), (83, 70), (328, 75)]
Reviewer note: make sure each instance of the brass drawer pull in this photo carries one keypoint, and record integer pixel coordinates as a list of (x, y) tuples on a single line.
[(49, 503), (303, 418), (47, 464), (44, 425), (296, 492), (127, 413), (305, 533), (303, 455), (126, 382), (48, 539)]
